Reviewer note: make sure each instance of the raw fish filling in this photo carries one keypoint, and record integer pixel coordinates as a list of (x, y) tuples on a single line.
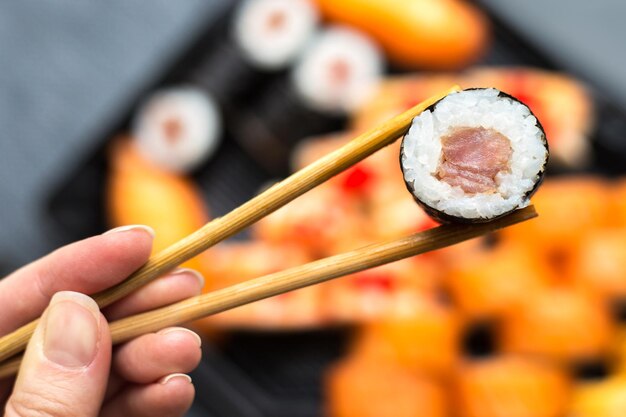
[(472, 157)]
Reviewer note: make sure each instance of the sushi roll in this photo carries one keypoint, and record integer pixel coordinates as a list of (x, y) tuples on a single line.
[(272, 33), (339, 71), (177, 128), (474, 156), (335, 75), (249, 45)]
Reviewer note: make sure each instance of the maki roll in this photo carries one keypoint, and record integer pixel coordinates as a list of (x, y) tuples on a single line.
[(272, 33), (473, 156), (335, 75), (340, 71), (178, 128)]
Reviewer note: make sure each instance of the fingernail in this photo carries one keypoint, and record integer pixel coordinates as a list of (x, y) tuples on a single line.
[(130, 227), (71, 331), (180, 330), (193, 272), (172, 377)]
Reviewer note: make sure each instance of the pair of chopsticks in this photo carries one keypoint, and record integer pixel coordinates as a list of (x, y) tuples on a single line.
[(280, 282)]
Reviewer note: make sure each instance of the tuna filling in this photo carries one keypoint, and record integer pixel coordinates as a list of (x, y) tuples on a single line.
[(472, 157)]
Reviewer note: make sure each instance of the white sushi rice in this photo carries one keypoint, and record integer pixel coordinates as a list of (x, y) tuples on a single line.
[(356, 55), (197, 128), (272, 33), (422, 153)]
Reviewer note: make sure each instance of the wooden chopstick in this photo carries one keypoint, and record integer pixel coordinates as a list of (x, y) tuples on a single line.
[(248, 213), (298, 277)]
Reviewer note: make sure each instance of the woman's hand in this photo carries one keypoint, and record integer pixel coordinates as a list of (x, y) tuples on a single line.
[(69, 368)]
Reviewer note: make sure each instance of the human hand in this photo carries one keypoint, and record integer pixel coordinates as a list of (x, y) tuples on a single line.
[(69, 368)]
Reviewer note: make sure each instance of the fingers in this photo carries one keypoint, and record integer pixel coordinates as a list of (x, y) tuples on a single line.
[(151, 356), (170, 397), (65, 369), (87, 266), (178, 285)]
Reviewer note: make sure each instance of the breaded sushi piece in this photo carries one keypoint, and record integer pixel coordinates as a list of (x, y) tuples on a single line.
[(618, 352), (604, 398), (618, 199), (425, 339), (385, 291), (177, 128), (272, 33), (399, 217), (377, 180), (398, 93), (339, 71), (600, 264), (506, 386), (474, 156), (562, 103), (320, 221), (359, 387), (140, 192), (488, 283), (233, 263), (570, 208), (563, 323)]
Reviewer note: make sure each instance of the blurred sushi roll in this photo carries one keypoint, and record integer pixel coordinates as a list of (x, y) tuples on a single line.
[(250, 44), (177, 128), (272, 33), (339, 71), (474, 156), (335, 75)]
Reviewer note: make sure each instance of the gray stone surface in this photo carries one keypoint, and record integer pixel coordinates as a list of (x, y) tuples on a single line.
[(67, 69), (588, 38)]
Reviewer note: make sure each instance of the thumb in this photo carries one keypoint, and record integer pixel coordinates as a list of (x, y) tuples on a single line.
[(66, 365)]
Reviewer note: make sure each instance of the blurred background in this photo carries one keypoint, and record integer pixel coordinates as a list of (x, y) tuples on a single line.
[(173, 113)]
